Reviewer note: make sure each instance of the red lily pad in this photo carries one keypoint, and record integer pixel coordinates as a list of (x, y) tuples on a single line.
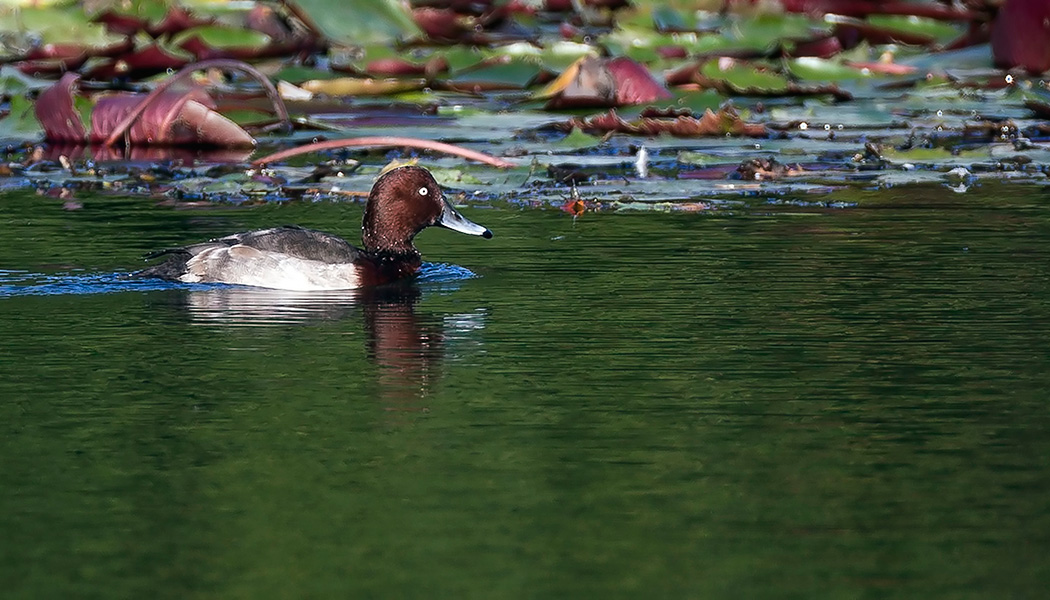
[(1021, 35), (600, 82), (399, 67), (174, 118), (864, 8), (170, 118), (56, 113), (441, 23), (144, 62), (119, 23), (177, 20)]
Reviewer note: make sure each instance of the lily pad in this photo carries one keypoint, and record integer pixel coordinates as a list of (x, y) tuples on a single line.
[(218, 36), (746, 76), (20, 124), (55, 25), (820, 69), (356, 22), (939, 31), (502, 75), (13, 81)]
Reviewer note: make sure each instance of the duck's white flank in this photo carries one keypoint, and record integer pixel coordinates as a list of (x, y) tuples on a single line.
[(245, 265)]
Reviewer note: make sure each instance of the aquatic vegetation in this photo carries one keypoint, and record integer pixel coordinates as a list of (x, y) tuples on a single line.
[(612, 92)]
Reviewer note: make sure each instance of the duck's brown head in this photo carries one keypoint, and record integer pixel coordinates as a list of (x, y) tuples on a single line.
[(403, 202)]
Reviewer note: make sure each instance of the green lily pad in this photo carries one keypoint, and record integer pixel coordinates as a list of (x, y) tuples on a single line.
[(356, 22), (516, 74), (667, 18), (453, 177), (555, 57), (940, 31), (20, 123), (218, 36), (765, 31), (745, 77), (55, 25), (931, 154), (702, 159), (821, 69), (578, 139), (13, 81)]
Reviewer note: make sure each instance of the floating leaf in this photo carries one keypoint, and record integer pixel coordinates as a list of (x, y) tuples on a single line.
[(55, 25), (13, 81), (143, 62), (676, 123), (1038, 101), (176, 20), (578, 139), (747, 79), (767, 31), (19, 122), (916, 27), (165, 116), (742, 77), (217, 36), (1021, 35), (399, 67), (54, 109), (497, 75), (174, 118), (356, 22), (359, 86), (592, 81), (442, 23), (820, 69)]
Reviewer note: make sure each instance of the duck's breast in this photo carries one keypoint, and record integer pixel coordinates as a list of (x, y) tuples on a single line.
[(244, 265)]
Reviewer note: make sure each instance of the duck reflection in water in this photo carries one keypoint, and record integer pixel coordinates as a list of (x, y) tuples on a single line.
[(406, 347)]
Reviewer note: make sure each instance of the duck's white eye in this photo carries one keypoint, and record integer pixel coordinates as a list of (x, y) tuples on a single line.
[(423, 191)]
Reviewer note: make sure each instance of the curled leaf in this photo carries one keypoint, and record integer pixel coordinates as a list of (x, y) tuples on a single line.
[(165, 116), (599, 82), (174, 118), (56, 113)]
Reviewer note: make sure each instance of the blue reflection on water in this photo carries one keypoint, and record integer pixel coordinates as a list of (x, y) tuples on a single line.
[(26, 283)]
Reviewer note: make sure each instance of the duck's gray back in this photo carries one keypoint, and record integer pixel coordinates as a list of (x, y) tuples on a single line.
[(307, 244)]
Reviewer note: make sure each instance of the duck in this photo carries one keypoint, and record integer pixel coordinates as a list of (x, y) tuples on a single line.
[(403, 201)]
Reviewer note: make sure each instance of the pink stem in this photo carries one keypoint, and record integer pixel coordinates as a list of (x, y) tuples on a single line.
[(381, 141), (221, 63)]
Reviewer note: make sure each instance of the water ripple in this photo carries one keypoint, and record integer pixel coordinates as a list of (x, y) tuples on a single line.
[(15, 282)]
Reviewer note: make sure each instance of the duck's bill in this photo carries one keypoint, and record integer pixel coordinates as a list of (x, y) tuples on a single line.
[(451, 219)]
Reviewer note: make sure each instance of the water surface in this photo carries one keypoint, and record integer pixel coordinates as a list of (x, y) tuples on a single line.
[(779, 400)]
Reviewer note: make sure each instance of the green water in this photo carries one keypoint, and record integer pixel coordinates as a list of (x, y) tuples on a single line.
[(768, 401)]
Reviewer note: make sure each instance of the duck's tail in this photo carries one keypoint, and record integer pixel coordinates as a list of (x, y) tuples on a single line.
[(170, 269)]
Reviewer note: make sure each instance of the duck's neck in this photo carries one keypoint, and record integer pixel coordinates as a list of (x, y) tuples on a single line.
[(381, 233), (380, 241), (391, 266)]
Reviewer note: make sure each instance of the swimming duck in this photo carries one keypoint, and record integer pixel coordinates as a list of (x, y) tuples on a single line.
[(403, 202)]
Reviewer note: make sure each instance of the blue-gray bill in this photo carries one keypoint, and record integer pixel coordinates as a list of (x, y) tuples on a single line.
[(451, 219)]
